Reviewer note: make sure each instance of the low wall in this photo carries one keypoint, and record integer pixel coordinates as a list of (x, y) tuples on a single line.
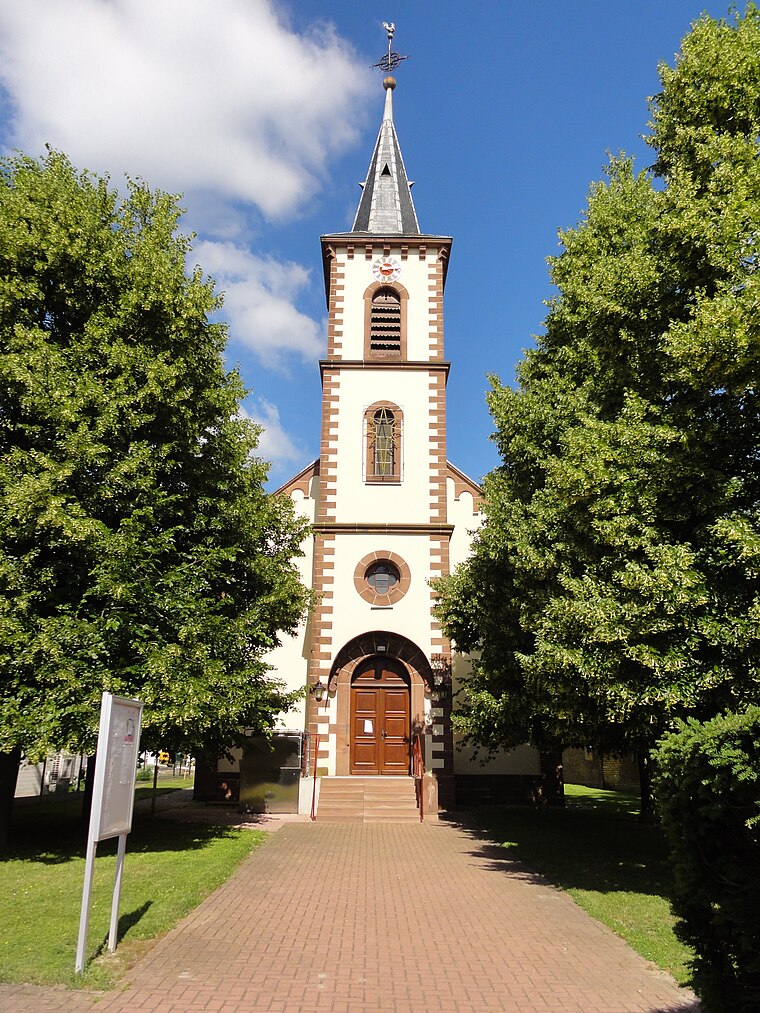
[(596, 770)]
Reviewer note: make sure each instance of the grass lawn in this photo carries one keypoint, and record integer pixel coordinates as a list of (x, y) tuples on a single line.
[(169, 868), (612, 865), (144, 789)]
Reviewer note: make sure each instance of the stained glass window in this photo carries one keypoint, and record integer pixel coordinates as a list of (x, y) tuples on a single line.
[(384, 451)]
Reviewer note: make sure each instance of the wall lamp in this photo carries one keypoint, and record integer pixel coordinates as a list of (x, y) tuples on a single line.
[(318, 690), (440, 665)]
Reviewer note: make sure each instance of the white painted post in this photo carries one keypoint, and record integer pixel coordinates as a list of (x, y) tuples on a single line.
[(84, 917), (116, 893)]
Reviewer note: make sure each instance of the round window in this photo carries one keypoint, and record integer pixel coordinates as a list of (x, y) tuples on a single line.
[(382, 576)]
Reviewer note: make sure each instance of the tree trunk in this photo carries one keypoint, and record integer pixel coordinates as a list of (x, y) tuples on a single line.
[(553, 775), (89, 784), (646, 811), (9, 763), (155, 789)]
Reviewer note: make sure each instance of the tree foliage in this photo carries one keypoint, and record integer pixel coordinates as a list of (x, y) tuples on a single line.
[(708, 797), (614, 584), (139, 552)]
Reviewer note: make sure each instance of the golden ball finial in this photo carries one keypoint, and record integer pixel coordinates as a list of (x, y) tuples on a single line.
[(389, 82)]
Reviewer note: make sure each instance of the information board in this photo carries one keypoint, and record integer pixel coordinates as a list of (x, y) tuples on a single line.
[(113, 799), (113, 793)]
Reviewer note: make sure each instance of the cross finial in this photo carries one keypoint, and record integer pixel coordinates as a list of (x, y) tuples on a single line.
[(391, 60)]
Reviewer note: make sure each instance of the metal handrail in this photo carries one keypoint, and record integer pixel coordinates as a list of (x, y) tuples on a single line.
[(314, 782), (418, 772)]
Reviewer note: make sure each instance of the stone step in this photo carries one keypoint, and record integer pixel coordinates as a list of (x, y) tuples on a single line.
[(367, 800), (394, 818), (342, 793)]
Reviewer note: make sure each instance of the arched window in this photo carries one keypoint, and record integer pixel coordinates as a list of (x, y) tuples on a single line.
[(385, 322), (383, 438), (382, 422), (385, 325)]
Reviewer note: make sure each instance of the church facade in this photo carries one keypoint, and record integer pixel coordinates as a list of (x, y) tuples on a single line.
[(388, 511)]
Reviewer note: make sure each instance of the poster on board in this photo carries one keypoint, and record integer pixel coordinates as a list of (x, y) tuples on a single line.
[(116, 767)]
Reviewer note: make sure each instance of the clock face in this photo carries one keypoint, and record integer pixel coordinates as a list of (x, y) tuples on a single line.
[(386, 269)]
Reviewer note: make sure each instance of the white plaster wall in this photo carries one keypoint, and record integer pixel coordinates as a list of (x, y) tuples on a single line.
[(522, 760), (415, 277), (289, 664), (306, 506), (357, 500), (460, 514), (231, 764), (353, 616), (289, 661)]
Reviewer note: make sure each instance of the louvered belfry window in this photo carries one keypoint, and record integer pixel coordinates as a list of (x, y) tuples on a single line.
[(385, 325), (384, 443)]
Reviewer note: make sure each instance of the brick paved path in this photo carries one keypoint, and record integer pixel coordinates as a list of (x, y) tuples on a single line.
[(349, 918)]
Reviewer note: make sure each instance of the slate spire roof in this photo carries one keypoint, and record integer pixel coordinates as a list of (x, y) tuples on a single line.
[(386, 206)]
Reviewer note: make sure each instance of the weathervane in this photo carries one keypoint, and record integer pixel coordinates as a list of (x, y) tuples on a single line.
[(391, 60)]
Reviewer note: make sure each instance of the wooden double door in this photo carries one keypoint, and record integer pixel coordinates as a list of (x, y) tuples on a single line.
[(380, 726)]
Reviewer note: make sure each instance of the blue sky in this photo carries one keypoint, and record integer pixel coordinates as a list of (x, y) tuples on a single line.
[(264, 116)]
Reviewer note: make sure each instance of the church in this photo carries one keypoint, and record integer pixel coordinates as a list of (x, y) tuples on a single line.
[(388, 513)]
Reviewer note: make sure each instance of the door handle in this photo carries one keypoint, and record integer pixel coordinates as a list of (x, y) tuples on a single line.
[(383, 734)]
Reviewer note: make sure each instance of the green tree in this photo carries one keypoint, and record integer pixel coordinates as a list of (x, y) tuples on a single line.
[(139, 552), (614, 584)]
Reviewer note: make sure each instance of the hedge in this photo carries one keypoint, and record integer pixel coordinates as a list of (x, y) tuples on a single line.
[(707, 788)]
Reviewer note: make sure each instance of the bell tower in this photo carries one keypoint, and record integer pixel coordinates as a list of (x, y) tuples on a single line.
[(381, 524)]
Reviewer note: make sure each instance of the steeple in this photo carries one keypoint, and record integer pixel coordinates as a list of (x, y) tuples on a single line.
[(386, 206)]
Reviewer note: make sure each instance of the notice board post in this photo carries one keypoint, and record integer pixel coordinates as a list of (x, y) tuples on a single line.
[(113, 798)]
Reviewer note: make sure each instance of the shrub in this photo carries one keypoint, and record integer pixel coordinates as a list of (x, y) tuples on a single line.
[(708, 795), (144, 774)]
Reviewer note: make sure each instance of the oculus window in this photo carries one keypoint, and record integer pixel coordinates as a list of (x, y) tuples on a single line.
[(382, 578)]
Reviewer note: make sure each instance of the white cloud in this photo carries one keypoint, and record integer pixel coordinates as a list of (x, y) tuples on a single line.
[(275, 444), (259, 296), (197, 96)]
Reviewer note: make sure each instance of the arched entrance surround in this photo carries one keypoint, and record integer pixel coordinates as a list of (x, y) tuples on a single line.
[(348, 660)]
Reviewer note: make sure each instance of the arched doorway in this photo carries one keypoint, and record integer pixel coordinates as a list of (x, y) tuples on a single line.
[(380, 717)]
